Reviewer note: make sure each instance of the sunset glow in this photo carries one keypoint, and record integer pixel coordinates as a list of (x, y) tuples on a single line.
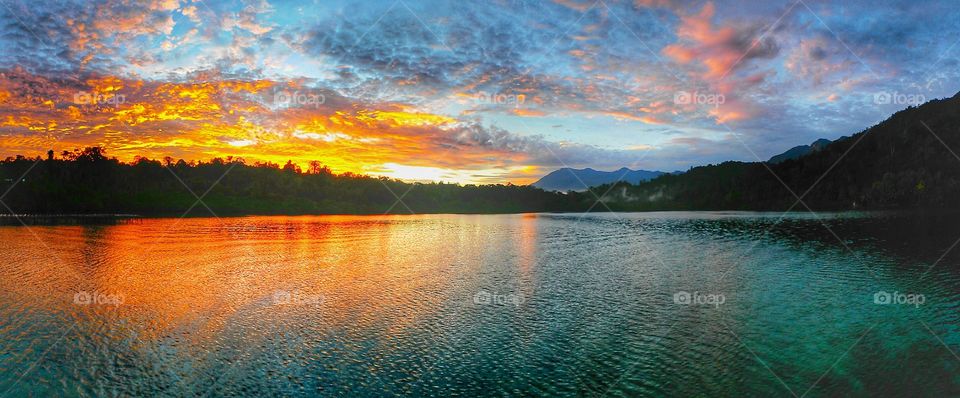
[(414, 93)]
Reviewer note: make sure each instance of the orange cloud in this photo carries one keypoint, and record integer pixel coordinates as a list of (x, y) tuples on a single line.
[(629, 116), (528, 112), (708, 45), (718, 52), (220, 118)]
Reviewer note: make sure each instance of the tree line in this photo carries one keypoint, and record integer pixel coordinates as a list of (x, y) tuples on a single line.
[(87, 181)]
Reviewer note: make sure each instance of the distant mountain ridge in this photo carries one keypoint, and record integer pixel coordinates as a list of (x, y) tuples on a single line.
[(569, 179), (800, 151), (904, 162)]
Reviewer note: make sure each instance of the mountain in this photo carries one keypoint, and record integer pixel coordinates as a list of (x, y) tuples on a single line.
[(800, 151), (908, 161), (567, 179)]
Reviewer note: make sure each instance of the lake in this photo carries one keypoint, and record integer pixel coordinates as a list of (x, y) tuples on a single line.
[(630, 304)]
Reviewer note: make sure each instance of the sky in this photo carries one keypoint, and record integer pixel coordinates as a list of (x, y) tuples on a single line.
[(464, 91)]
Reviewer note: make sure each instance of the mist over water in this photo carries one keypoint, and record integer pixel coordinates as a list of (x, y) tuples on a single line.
[(646, 304)]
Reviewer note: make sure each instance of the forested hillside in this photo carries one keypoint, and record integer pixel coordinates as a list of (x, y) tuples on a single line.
[(899, 163)]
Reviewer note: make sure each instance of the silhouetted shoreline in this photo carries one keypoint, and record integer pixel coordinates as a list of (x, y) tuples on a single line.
[(7, 219)]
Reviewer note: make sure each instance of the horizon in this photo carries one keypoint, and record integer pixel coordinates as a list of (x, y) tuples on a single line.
[(59, 155), (466, 93)]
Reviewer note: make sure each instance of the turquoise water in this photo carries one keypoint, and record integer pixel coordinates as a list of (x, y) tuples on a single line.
[(649, 304)]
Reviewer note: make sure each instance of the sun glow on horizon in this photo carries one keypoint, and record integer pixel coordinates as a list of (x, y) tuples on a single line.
[(415, 173), (425, 174)]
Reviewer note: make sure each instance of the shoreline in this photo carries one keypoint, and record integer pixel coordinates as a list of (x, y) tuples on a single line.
[(12, 219)]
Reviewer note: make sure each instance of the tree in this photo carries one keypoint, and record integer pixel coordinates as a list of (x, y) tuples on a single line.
[(316, 167), (290, 167)]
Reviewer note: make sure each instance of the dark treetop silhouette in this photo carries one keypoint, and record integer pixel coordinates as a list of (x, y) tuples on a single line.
[(86, 181)]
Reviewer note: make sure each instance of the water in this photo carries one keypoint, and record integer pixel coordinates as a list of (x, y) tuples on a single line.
[(482, 305)]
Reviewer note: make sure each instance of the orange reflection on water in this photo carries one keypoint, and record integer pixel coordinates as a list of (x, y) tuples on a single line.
[(527, 251), (196, 277)]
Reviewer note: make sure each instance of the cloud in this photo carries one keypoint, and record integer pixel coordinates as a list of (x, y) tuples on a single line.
[(717, 54), (258, 119), (816, 60), (718, 49), (582, 7), (405, 84)]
